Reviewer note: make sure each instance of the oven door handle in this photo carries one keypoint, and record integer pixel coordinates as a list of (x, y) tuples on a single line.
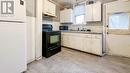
[(53, 48)]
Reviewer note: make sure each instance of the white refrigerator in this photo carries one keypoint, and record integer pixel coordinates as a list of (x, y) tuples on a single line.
[(13, 36)]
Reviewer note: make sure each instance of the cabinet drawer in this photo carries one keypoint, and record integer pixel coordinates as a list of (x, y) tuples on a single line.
[(97, 36), (88, 36)]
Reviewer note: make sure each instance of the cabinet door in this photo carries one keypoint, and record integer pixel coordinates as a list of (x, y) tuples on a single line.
[(93, 12), (66, 16), (70, 41), (69, 15), (49, 8), (30, 39), (97, 45), (65, 40), (89, 13), (87, 44), (77, 43), (62, 16), (97, 11), (52, 9), (45, 6), (73, 41)]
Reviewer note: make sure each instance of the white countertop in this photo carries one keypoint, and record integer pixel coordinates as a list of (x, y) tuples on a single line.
[(83, 32)]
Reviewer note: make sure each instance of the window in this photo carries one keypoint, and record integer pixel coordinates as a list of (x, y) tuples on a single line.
[(79, 14), (119, 21), (79, 19)]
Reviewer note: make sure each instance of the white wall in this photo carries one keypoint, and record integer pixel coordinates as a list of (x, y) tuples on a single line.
[(30, 39), (31, 8), (31, 29), (34, 28), (55, 24), (38, 31)]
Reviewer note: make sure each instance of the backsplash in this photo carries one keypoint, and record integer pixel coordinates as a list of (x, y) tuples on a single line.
[(94, 27), (55, 24)]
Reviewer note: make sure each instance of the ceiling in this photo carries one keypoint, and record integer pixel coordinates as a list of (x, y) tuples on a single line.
[(64, 2), (67, 3)]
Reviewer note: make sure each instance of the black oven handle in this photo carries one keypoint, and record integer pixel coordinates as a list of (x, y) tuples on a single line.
[(53, 48)]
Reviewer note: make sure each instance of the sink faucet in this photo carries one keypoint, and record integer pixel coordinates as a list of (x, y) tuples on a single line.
[(83, 29), (78, 28)]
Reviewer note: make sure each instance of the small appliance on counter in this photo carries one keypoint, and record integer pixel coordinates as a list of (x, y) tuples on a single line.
[(51, 41), (62, 28)]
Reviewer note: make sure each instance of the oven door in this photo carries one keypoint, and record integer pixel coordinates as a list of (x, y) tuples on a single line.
[(54, 39)]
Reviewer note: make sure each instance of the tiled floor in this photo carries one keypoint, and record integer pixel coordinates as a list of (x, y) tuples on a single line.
[(71, 61)]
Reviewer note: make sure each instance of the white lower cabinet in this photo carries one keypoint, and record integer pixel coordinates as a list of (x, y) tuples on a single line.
[(65, 40), (71, 40), (77, 43), (87, 43), (96, 42), (91, 43)]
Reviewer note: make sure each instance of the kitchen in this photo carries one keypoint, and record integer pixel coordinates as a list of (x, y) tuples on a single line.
[(69, 36)]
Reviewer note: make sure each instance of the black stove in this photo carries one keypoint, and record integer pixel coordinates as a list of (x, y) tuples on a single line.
[(51, 41)]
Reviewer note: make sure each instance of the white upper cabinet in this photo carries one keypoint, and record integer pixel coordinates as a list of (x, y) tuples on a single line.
[(66, 16), (97, 11), (45, 7), (49, 8), (93, 12), (89, 13)]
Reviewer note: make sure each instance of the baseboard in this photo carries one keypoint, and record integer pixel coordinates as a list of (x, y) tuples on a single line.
[(39, 58)]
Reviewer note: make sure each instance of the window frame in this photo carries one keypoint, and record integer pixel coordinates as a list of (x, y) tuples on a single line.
[(74, 16), (118, 31)]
